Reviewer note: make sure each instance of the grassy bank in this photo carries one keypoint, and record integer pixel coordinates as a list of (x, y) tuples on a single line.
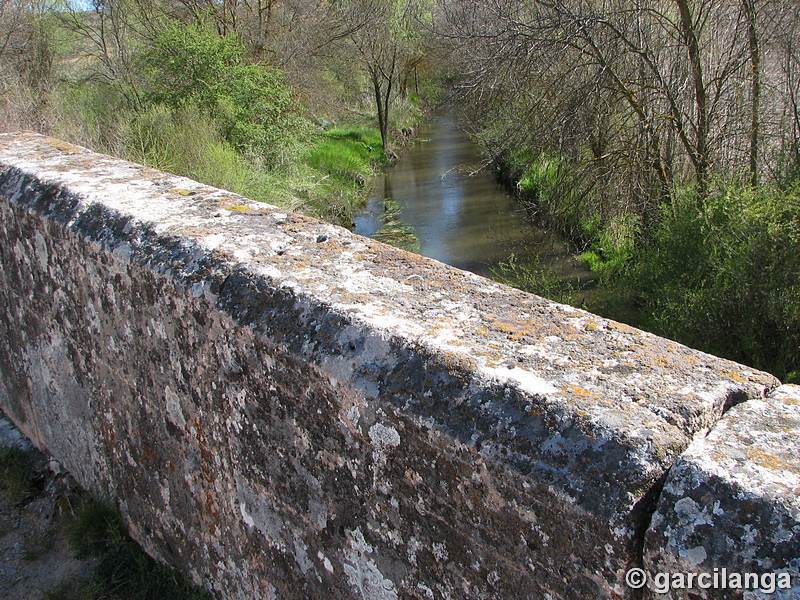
[(182, 98)]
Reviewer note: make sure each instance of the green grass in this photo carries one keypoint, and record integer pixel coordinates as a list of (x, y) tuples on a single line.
[(350, 153), (124, 571), (17, 472)]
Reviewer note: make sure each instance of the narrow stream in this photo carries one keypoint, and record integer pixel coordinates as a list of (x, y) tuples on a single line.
[(460, 217)]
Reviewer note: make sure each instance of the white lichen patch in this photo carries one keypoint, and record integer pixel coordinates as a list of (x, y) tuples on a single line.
[(173, 406), (259, 512), (384, 437), (693, 557), (214, 241), (326, 562), (301, 556), (363, 573), (364, 282), (526, 380), (439, 550)]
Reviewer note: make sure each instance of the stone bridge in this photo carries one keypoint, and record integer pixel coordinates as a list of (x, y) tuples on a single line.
[(283, 409)]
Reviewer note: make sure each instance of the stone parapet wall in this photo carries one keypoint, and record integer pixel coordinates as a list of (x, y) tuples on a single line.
[(284, 409), (731, 503)]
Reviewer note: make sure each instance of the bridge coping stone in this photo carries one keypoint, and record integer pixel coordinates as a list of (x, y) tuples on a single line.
[(732, 500), (593, 410)]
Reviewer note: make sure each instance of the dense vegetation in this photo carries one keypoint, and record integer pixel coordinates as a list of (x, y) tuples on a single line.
[(662, 139), (276, 101)]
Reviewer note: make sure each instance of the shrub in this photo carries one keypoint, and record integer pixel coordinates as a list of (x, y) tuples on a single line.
[(93, 114), (723, 274), (530, 276), (184, 142), (191, 65)]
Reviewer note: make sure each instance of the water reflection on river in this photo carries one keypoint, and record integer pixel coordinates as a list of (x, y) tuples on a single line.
[(461, 217)]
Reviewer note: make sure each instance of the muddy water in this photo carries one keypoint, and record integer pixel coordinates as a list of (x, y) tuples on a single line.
[(456, 210)]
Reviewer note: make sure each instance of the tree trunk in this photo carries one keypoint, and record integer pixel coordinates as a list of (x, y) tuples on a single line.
[(700, 157), (755, 86), (382, 106)]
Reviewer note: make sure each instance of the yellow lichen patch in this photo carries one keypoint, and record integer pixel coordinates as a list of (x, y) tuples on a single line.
[(732, 375), (505, 327), (179, 192), (622, 327), (516, 330), (772, 462), (592, 326), (574, 390), (239, 208), (59, 145), (573, 336), (673, 361)]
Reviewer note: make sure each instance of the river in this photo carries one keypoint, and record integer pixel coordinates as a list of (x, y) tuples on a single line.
[(457, 211)]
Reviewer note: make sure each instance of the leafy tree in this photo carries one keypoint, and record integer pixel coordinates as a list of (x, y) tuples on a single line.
[(193, 65), (389, 45)]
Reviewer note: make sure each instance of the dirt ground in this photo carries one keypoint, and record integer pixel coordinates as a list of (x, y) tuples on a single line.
[(36, 560)]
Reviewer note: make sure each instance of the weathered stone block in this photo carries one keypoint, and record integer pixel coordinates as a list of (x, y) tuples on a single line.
[(731, 503), (288, 410)]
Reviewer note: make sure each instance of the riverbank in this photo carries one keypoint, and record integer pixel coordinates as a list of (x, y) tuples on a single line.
[(717, 270)]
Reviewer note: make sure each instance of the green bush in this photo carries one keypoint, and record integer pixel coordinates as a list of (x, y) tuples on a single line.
[(723, 274), (191, 65), (612, 246), (94, 527)]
